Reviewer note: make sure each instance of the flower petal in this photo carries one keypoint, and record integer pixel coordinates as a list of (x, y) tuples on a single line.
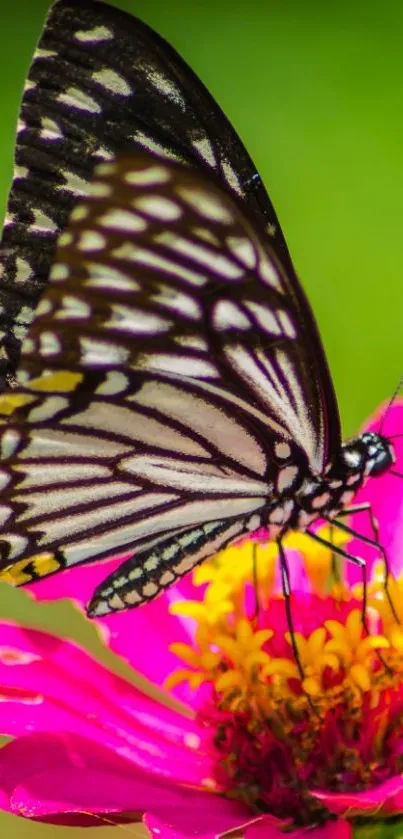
[(265, 828), (44, 775), (140, 636), (385, 799), (198, 815), (50, 684), (385, 494)]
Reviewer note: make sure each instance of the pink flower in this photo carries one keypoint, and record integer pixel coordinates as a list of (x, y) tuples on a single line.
[(240, 740)]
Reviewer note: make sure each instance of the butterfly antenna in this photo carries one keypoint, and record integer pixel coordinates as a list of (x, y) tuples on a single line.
[(396, 474), (391, 401)]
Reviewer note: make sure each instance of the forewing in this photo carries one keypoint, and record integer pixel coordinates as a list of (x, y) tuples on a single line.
[(101, 81)]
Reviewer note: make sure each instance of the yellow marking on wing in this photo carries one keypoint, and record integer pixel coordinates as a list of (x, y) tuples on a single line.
[(63, 381), (30, 569), (9, 402)]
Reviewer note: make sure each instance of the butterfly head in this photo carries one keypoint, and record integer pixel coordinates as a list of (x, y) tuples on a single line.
[(371, 454), (380, 453)]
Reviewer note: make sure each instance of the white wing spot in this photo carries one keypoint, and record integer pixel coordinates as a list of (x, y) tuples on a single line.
[(206, 203), (106, 169), (206, 235), (100, 353), (44, 307), (243, 250), (79, 213), (282, 450), (135, 574), (122, 220), (9, 442), (113, 81), (177, 301), (286, 478), (231, 177), (268, 273), (21, 171), (193, 367), (99, 189), (114, 382), (264, 316), (228, 316), (138, 321), (43, 222), (48, 408), (76, 98), (104, 276), (50, 344), (41, 53), (50, 129), (165, 86), (205, 150), (286, 323), (91, 241), (98, 33), (65, 239), (73, 183), (59, 271), (152, 563), (24, 270), (253, 523), (102, 153), (321, 501), (149, 143), (282, 513), (158, 207), (73, 307), (147, 177)]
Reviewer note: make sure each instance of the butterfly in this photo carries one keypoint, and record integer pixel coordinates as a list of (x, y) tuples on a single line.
[(172, 394)]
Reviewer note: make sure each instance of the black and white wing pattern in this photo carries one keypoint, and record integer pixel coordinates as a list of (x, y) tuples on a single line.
[(101, 82), (170, 389)]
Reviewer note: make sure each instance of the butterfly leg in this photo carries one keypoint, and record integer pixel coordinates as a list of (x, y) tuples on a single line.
[(351, 558), (375, 542), (286, 586), (255, 577), (357, 561)]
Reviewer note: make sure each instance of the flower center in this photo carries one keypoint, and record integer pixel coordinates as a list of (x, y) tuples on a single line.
[(282, 729)]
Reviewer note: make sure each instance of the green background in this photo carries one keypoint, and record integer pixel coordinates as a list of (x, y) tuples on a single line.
[(316, 92)]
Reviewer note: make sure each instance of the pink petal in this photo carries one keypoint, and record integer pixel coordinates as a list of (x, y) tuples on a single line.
[(385, 494), (140, 636), (205, 817), (44, 775), (385, 799), (47, 683), (265, 828)]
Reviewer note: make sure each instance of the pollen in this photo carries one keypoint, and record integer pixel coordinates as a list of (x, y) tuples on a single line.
[(281, 702)]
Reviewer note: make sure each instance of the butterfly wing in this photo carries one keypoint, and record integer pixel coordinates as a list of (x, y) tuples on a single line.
[(170, 374), (101, 81)]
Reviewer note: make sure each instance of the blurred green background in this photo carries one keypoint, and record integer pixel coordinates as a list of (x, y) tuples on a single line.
[(316, 92)]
